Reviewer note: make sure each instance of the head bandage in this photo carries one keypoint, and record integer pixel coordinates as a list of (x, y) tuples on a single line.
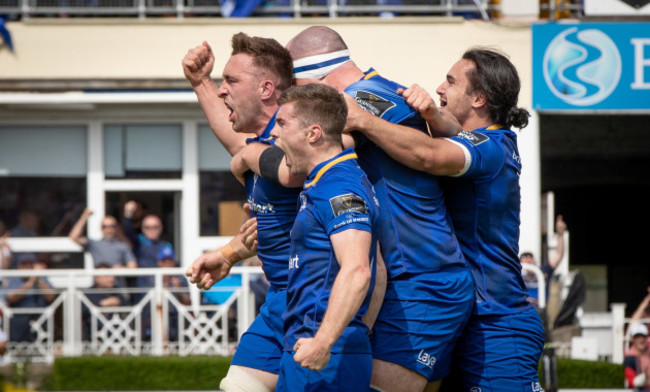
[(320, 65)]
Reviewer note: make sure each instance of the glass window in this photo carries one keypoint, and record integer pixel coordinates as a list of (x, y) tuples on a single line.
[(43, 151), (143, 151), (221, 194), (42, 178), (41, 206)]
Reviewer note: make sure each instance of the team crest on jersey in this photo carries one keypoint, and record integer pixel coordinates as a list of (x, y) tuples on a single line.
[(372, 103), (348, 203), (473, 137)]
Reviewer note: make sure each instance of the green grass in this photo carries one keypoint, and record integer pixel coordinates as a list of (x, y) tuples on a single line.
[(138, 373)]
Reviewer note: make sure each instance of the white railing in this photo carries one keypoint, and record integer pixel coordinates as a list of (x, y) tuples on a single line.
[(59, 327), (294, 8)]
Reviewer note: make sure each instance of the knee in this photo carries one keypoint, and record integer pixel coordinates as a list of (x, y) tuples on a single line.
[(238, 380)]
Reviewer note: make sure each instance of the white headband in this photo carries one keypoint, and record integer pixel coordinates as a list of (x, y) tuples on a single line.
[(319, 65)]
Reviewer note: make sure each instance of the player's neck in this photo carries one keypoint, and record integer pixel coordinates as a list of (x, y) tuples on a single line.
[(343, 76), (322, 155), (476, 121), (268, 111)]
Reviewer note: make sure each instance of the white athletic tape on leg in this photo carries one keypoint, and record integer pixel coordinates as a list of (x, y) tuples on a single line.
[(320, 65), (374, 388), (239, 380)]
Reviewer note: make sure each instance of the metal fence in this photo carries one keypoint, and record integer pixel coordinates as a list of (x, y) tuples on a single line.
[(72, 324), (282, 8)]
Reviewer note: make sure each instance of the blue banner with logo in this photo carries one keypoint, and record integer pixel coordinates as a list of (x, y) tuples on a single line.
[(591, 66)]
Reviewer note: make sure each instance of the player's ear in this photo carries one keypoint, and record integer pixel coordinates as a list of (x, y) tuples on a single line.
[(314, 133), (478, 99), (267, 89)]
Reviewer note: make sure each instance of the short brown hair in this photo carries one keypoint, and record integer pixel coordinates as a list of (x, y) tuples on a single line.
[(268, 54), (318, 104)]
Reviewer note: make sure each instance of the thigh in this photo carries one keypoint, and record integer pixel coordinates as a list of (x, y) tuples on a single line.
[(420, 335), (501, 353), (261, 346), (344, 372)]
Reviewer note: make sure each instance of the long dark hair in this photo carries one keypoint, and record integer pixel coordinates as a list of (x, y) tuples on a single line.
[(497, 78)]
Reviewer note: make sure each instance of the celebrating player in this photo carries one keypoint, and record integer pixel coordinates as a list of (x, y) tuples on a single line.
[(481, 91)]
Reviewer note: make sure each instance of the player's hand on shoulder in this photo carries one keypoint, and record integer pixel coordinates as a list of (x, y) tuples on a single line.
[(356, 115), (419, 99)]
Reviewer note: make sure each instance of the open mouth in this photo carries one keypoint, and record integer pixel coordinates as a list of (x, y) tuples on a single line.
[(231, 111), (443, 103)]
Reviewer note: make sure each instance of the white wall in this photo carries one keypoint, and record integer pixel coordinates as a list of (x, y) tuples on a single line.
[(407, 50)]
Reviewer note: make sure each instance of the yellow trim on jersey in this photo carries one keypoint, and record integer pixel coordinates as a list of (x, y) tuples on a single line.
[(370, 75), (328, 166), (493, 127)]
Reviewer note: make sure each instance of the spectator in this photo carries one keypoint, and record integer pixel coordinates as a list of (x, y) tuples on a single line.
[(109, 250), (102, 295), (547, 268), (3, 339), (177, 285), (146, 245), (27, 292), (642, 311), (637, 358), (6, 256), (28, 224)]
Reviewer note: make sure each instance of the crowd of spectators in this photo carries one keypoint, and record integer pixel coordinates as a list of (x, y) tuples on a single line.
[(135, 243)]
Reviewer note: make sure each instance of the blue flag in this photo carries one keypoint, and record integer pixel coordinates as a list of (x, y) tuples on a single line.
[(4, 33)]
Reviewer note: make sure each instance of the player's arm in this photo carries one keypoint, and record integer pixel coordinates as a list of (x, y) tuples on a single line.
[(266, 161), (213, 266), (441, 124), (406, 145), (351, 248), (197, 66), (378, 292)]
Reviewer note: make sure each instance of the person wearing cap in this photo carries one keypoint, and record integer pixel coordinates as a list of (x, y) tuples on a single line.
[(637, 358), (177, 284), (27, 292)]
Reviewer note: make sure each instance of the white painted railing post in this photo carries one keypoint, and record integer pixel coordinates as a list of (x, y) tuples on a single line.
[(618, 332)]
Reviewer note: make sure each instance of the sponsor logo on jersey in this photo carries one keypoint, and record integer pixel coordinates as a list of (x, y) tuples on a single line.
[(372, 103), (473, 137), (536, 387), (260, 208), (293, 262), (348, 203), (426, 359), (303, 201)]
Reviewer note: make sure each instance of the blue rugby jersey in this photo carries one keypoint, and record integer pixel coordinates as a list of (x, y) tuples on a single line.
[(337, 196), (484, 204), (275, 208), (416, 232)]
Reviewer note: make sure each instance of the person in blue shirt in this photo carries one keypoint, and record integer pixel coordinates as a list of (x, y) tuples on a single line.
[(429, 292), (548, 268), (242, 111), (502, 344), (333, 248)]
